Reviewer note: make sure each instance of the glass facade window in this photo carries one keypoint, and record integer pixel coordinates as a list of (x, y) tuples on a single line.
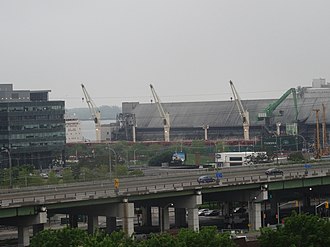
[(33, 129)]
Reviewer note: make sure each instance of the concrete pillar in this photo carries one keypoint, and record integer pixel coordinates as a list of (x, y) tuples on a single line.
[(128, 217), (254, 209), (23, 236), (38, 228), (93, 223), (25, 223), (146, 216), (193, 220), (160, 219), (111, 224), (164, 219), (180, 217), (73, 220), (226, 208)]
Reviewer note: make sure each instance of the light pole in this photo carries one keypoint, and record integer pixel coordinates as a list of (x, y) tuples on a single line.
[(304, 142), (110, 165), (134, 156), (3, 149), (326, 203), (279, 208)]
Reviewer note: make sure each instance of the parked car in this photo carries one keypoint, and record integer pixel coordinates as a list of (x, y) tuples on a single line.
[(273, 171), (202, 211), (205, 179), (212, 213)]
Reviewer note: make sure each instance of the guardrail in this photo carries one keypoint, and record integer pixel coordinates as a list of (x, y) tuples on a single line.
[(55, 195)]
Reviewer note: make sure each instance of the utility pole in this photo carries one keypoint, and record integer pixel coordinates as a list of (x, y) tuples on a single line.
[(324, 132), (317, 142)]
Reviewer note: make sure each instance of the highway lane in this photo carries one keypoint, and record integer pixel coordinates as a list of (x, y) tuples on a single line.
[(170, 177), (163, 179)]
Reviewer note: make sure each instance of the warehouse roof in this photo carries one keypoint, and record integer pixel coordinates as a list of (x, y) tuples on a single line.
[(225, 113)]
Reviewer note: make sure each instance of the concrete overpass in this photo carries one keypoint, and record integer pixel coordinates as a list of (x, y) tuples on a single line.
[(25, 207)]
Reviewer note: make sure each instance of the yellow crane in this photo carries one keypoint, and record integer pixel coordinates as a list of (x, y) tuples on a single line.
[(96, 114), (243, 112), (164, 115)]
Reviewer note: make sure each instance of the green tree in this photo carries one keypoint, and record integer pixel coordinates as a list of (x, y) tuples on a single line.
[(161, 240), (67, 175), (296, 156), (121, 170), (298, 231), (206, 237), (52, 179), (158, 159), (65, 237)]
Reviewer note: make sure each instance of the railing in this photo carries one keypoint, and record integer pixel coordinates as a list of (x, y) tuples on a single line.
[(56, 194)]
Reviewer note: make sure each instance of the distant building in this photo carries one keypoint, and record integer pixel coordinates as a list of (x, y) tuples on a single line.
[(223, 119), (319, 83), (107, 129), (73, 129), (32, 129)]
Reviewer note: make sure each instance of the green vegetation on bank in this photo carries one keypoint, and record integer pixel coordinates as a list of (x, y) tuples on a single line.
[(299, 230), (71, 237), (89, 161)]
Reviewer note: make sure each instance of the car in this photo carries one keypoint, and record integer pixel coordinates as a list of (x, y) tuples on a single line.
[(273, 171), (205, 179), (212, 213), (44, 175), (202, 211)]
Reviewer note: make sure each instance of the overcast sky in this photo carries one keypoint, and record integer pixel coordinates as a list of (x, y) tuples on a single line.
[(188, 49)]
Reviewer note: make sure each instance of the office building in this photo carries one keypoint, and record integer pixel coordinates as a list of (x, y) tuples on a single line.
[(32, 128)]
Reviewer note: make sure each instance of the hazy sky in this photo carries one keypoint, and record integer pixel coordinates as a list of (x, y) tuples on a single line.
[(188, 49)]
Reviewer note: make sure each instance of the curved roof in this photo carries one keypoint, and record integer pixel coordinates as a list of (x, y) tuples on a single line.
[(225, 113)]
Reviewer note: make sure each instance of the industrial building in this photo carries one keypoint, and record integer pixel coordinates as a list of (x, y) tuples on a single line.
[(221, 120), (73, 129), (32, 129)]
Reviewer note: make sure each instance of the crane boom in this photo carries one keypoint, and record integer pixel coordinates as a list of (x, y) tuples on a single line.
[(243, 112), (95, 112), (268, 112), (164, 115)]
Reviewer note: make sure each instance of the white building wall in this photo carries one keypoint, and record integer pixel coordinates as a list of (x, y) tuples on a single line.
[(73, 130)]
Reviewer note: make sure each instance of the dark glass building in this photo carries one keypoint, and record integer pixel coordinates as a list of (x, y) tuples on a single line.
[(32, 128)]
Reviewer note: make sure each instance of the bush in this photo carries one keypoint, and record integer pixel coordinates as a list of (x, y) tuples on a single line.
[(157, 160), (299, 230), (296, 157)]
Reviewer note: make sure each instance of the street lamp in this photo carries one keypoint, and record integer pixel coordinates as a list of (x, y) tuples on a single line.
[(325, 203), (110, 165), (304, 142), (134, 156), (279, 208), (3, 149)]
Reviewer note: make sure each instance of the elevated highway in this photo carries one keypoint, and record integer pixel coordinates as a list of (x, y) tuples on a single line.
[(163, 188)]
